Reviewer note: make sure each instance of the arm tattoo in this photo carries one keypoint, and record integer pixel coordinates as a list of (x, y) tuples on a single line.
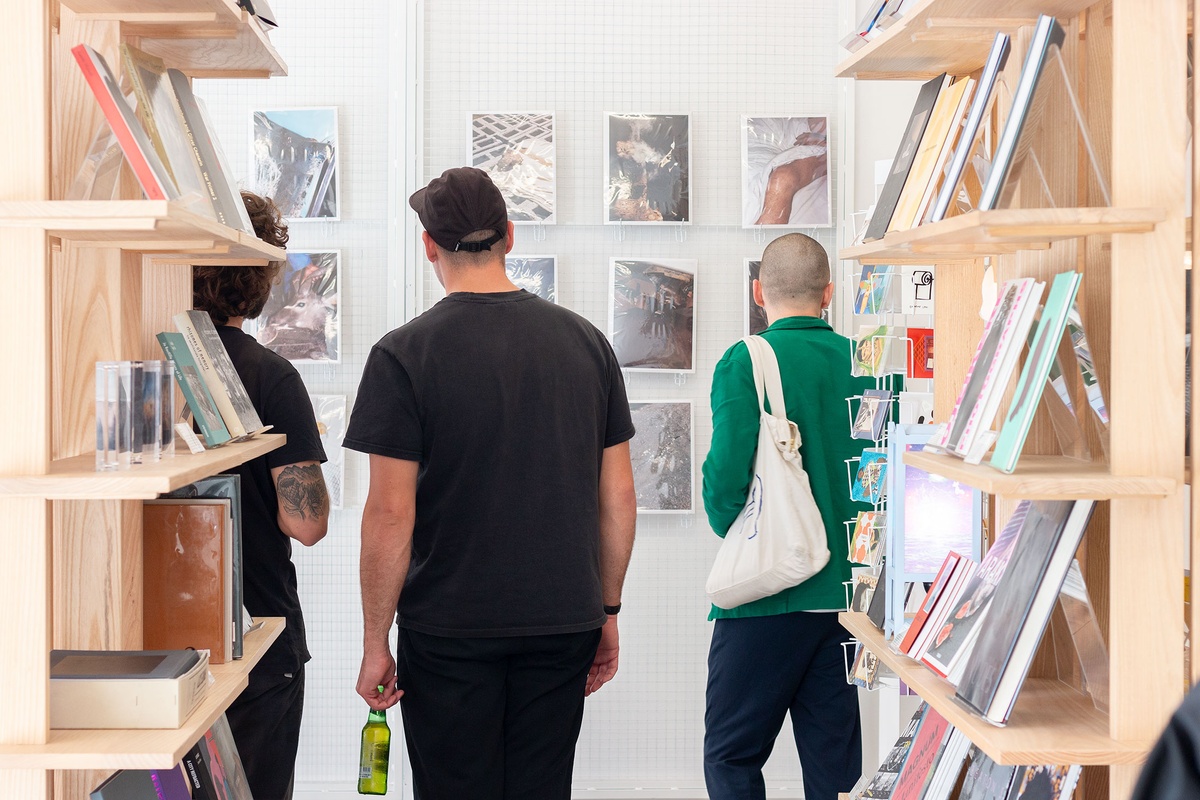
[(302, 491)]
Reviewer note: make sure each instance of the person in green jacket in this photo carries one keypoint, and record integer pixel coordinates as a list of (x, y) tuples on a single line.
[(784, 653)]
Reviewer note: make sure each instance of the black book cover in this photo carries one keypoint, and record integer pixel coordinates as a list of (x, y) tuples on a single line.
[(986, 780), (876, 610), (197, 765), (885, 206)]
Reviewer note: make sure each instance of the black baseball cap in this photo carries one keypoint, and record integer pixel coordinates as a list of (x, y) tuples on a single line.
[(463, 200)]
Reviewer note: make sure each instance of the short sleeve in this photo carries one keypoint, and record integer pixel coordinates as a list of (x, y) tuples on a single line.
[(619, 425), (289, 411), (385, 420)]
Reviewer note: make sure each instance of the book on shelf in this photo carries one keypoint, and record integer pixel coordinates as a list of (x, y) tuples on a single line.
[(188, 575), (874, 409), (1047, 35), (971, 610), (871, 480), (865, 671), (864, 591), (214, 767), (874, 284), (934, 630), (931, 597), (931, 155), (883, 783), (985, 779), (932, 732), (995, 359), (261, 10), (889, 196), (1043, 350), (920, 353), (948, 766), (982, 102), (143, 784), (1044, 782), (1021, 606), (868, 537), (152, 174), (195, 390), (222, 379), (136, 689), (877, 607), (873, 350)]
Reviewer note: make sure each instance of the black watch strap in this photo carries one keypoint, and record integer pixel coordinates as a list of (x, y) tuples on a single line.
[(612, 611)]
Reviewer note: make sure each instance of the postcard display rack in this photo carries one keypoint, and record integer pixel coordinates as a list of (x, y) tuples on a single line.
[(1124, 62), (93, 281)]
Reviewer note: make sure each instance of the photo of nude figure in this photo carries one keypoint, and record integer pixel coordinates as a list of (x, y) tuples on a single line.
[(785, 172)]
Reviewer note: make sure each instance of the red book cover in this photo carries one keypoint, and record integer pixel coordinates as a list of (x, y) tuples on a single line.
[(939, 583), (920, 353), (911, 783)]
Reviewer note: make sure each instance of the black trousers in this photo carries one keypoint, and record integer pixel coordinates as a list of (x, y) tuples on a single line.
[(265, 720), (761, 668), (493, 718)]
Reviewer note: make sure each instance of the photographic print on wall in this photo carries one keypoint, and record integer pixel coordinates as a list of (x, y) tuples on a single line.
[(330, 411), (756, 316), (294, 161), (662, 452), (647, 161), (785, 172), (652, 314), (300, 320), (535, 274), (517, 151)]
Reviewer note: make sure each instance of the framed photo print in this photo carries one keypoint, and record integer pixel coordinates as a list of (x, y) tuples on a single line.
[(300, 320), (756, 316), (535, 274), (652, 319), (647, 168), (330, 410), (785, 172), (294, 161), (663, 452), (517, 151)]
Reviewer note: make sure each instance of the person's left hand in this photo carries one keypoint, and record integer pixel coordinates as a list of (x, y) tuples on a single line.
[(604, 666)]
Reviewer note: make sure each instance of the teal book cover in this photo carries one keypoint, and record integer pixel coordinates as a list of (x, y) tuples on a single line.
[(195, 391), (1042, 350)]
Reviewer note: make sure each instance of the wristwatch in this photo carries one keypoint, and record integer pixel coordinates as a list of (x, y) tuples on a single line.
[(612, 611)]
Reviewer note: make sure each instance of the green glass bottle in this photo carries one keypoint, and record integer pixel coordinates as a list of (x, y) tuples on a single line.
[(376, 747)]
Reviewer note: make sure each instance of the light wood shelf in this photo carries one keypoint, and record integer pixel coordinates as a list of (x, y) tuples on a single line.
[(202, 38), (1044, 478), (155, 227), (954, 36), (76, 478), (146, 749), (987, 233), (1050, 724)]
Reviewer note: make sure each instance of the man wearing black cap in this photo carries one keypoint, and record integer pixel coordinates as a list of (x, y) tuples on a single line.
[(501, 501)]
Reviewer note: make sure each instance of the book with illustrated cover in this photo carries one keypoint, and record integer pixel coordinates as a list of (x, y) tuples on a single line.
[(985, 779), (219, 374), (1044, 782), (971, 610), (152, 175), (875, 611), (930, 736), (872, 414), (947, 767), (1021, 606), (867, 537), (865, 672), (889, 196), (1087, 367), (882, 785), (214, 768), (1043, 350), (864, 590), (874, 283), (872, 351), (980, 104), (934, 630), (869, 483), (143, 784), (195, 390), (920, 353), (931, 598)]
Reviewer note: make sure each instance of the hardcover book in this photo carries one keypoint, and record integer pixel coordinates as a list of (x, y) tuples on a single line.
[(143, 784), (884, 782), (872, 415), (931, 598), (219, 373), (195, 390), (138, 689), (1044, 782), (934, 630), (947, 767), (930, 736), (986, 780), (1021, 606), (909, 142)]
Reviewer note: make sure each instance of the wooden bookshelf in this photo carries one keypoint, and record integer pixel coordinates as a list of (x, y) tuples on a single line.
[(1040, 477), (987, 233), (147, 749), (76, 478), (936, 36), (154, 227), (1050, 724)]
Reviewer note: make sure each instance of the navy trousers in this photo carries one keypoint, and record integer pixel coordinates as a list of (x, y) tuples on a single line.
[(761, 668)]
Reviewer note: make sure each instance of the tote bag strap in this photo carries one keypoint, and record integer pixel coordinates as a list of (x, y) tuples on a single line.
[(766, 375)]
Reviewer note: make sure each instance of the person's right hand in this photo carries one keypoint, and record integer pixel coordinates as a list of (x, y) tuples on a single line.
[(378, 669)]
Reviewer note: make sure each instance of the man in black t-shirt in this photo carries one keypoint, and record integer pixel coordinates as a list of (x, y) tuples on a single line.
[(283, 498), (501, 501)]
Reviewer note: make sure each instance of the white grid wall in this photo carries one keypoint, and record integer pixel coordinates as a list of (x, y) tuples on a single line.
[(715, 61), (336, 57)]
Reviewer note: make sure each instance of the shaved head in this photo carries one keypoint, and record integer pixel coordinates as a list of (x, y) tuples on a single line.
[(795, 271)]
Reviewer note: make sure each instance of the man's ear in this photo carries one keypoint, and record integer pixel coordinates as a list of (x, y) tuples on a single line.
[(827, 297), (512, 239), (431, 250), (756, 290)]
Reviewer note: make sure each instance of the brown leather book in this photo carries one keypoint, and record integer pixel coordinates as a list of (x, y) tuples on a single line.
[(188, 576)]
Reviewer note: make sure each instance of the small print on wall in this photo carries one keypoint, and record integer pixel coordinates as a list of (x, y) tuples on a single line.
[(651, 314), (662, 452), (756, 316), (517, 151), (330, 410), (294, 156), (785, 172), (300, 320), (535, 274), (648, 168)]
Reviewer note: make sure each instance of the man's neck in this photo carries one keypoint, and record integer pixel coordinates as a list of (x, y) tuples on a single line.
[(776, 314), (478, 280)]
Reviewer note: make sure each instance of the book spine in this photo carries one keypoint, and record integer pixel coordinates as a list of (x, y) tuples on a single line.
[(129, 144), (206, 160), (198, 775), (213, 380), (212, 436)]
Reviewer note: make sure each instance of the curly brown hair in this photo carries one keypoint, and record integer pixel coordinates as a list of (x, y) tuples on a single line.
[(226, 292)]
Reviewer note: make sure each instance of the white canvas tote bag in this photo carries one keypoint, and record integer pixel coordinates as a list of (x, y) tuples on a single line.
[(778, 540)]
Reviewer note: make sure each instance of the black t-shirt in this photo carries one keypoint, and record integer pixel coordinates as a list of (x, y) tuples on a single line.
[(268, 576), (507, 401)]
